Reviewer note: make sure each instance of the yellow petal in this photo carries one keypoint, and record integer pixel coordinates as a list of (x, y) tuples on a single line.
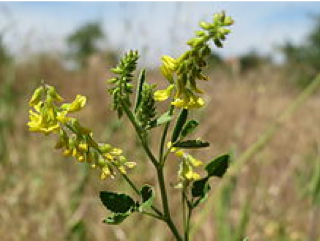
[(162, 95), (78, 103)]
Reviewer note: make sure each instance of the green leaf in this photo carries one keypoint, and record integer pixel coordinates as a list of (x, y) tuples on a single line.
[(189, 128), (117, 203), (200, 189), (147, 196), (116, 218), (189, 144), (166, 117), (141, 81), (218, 166), (179, 125)]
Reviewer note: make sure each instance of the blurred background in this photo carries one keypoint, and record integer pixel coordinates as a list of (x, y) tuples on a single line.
[(272, 54)]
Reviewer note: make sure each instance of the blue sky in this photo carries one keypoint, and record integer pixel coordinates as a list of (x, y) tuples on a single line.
[(156, 28)]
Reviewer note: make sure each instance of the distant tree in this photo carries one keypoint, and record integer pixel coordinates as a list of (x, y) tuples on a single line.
[(303, 61), (83, 42), (4, 54), (252, 60)]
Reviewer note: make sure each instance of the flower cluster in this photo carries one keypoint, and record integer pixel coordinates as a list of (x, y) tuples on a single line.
[(186, 173), (183, 72), (75, 140)]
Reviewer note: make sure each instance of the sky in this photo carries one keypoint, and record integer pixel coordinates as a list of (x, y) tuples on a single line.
[(156, 28)]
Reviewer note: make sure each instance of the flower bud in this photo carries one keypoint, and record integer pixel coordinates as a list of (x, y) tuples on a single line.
[(36, 97)]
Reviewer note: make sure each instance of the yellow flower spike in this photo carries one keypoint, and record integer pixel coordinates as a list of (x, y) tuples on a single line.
[(162, 95), (77, 104), (36, 97)]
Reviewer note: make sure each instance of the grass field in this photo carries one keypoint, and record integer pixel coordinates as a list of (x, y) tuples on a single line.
[(45, 196)]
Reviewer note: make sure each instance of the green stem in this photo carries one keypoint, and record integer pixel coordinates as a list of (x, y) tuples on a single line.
[(163, 138), (159, 168), (140, 134), (190, 209), (165, 205), (184, 220)]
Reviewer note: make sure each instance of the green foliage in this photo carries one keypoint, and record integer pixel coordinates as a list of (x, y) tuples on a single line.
[(190, 144), (147, 196), (83, 42), (179, 125), (303, 60), (141, 80), (122, 205), (217, 167), (251, 60), (189, 128), (164, 118), (8, 102), (5, 57)]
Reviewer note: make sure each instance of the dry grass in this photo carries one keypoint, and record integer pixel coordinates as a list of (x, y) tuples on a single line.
[(37, 184)]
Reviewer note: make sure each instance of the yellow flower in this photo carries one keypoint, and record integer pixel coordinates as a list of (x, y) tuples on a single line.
[(169, 62), (188, 100), (61, 116), (42, 121), (106, 172), (75, 105), (36, 97), (162, 95), (186, 170), (169, 65)]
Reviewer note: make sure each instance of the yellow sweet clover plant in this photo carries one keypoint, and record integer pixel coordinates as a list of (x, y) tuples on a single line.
[(48, 116)]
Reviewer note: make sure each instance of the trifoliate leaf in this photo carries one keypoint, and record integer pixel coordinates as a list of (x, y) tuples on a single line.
[(218, 166)]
